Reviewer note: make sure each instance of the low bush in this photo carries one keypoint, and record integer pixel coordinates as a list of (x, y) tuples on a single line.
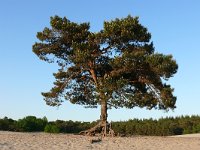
[(49, 128), (31, 124), (160, 127)]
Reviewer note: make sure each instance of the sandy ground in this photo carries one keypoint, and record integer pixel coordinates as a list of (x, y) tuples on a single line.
[(41, 141)]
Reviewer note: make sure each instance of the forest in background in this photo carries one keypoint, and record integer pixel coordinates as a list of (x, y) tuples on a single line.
[(149, 127)]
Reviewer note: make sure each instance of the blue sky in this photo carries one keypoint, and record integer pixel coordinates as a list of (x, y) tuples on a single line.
[(175, 29)]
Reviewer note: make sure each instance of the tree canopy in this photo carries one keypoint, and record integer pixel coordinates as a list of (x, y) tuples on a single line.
[(117, 65)]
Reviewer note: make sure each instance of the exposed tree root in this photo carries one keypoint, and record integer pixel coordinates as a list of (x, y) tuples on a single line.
[(102, 128), (92, 131)]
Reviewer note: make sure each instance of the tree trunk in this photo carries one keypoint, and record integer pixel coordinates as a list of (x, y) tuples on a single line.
[(104, 116), (103, 125)]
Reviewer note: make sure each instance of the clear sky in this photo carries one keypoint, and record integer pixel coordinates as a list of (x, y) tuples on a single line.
[(175, 29)]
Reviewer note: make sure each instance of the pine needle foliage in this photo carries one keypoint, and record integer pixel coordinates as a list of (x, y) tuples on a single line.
[(118, 64)]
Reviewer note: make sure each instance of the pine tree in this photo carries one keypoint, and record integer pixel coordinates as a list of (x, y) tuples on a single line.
[(115, 67)]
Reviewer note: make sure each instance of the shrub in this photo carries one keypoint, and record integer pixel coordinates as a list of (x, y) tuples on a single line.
[(7, 124), (49, 128), (31, 124)]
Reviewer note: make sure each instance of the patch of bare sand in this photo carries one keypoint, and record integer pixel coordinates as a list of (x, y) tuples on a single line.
[(41, 141), (197, 135)]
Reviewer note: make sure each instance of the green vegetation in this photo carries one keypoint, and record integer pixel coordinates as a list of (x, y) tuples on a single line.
[(49, 128), (27, 124), (161, 127), (7, 124), (31, 124), (115, 67)]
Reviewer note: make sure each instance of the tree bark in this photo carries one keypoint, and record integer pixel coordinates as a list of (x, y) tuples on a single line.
[(104, 116), (103, 111), (103, 126)]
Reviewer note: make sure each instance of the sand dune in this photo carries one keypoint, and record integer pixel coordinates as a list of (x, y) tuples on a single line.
[(41, 141)]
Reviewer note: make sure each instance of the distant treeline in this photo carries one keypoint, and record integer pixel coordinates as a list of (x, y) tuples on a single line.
[(161, 127)]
